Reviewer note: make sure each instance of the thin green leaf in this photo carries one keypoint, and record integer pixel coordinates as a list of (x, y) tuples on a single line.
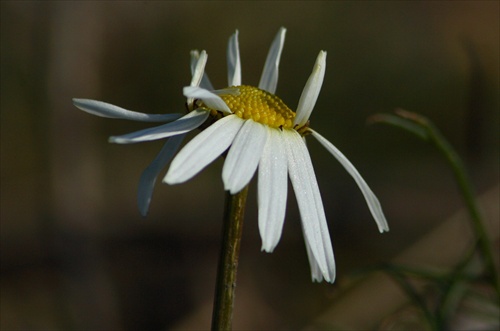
[(400, 122)]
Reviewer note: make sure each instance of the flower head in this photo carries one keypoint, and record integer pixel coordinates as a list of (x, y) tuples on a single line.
[(260, 133), (263, 133)]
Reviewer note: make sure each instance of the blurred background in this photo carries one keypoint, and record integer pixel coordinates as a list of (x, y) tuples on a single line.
[(75, 252)]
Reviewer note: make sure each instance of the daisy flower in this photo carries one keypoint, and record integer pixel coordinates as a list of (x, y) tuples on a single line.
[(258, 131), (262, 133)]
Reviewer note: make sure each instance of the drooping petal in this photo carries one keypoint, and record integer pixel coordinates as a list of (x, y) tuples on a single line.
[(203, 149), (243, 156), (149, 175), (311, 209), (316, 274), (269, 78), (233, 61), (210, 99), (371, 199), (272, 190), (104, 109), (184, 124), (311, 90)]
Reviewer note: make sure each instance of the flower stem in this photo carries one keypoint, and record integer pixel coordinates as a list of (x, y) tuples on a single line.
[(232, 230)]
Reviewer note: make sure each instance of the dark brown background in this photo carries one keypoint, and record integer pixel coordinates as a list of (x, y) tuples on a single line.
[(75, 252)]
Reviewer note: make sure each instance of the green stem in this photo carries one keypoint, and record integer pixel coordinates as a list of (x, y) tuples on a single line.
[(424, 128), (414, 295), (434, 135), (232, 230), (470, 201)]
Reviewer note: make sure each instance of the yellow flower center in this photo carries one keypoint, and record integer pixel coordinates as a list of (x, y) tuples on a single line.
[(260, 106)]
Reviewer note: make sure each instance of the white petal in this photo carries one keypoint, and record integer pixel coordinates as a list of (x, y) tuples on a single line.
[(184, 124), (316, 274), (210, 99), (199, 69), (149, 175), (311, 90), (203, 149), (310, 205), (243, 156), (272, 190), (195, 55), (104, 109), (269, 78), (233, 61), (227, 91), (371, 199), (205, 82)]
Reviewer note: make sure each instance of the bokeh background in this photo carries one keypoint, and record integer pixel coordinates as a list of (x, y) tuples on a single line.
[(76, 254)]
